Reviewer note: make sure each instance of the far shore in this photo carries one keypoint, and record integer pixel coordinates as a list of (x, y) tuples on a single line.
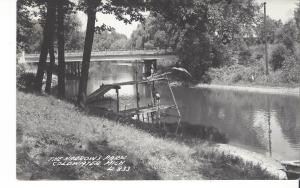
[(254, 89)]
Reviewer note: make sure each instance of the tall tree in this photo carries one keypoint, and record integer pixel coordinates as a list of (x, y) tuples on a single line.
[(47, 37), (50, 67), (121, 10), (88, 44), (61, 48)]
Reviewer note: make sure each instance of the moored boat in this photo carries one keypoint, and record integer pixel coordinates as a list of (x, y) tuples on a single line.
[(292, 169)]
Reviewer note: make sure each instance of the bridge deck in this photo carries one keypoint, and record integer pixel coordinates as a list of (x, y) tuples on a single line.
[(111, 56)]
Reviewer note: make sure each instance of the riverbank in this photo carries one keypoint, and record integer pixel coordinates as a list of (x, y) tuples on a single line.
[(254, 89), (48, 127)]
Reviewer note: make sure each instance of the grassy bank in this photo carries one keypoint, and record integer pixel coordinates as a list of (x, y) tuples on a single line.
[(47, 127), (249, 69)]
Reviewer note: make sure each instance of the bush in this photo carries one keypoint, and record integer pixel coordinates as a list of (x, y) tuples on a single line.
[(244, 53), (25, 81), (278, 56), (20, 69), (291, 70), (236, 73)]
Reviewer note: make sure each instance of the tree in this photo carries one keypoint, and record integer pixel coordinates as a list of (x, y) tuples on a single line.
[(271, 27), (24, 24), (199, 31), (105, 40), (287, 35), (120, 44), (47, 38), (61, 11), (50, 68), (74, 37), (117, 7), (91, 14), (297, 17)]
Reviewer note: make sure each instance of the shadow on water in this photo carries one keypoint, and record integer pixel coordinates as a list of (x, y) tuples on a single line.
[(183, 132)]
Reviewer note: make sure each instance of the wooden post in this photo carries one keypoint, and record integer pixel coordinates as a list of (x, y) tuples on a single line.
[(148, 117), (137, 94), (78, 68), (266, 39), (117, 91), (173, 97)]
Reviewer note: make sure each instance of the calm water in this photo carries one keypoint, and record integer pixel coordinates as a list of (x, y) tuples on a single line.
[(267, 124)]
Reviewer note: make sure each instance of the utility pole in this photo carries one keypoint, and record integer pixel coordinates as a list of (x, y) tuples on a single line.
[(266, 38)]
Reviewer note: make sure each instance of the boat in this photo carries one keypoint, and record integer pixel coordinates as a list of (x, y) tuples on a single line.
[(292, 169)]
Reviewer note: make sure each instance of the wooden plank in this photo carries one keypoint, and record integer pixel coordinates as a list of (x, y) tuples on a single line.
[(139, 82), (144, 110), (101, 91)]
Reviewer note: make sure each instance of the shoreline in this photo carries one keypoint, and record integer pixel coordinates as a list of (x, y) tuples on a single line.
[(272, 165), (43, 130), (253, 89)]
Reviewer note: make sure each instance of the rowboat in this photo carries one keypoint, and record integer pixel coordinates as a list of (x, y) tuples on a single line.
[(292, 169)]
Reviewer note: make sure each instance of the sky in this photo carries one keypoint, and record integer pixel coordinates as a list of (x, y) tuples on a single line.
[(110, 21), (280, 9), (276, 9)]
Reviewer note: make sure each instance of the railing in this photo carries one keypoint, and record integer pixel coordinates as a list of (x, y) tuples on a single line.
[(115, 53)]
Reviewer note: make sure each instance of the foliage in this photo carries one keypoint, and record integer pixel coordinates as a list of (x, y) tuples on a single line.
[(244, 53), (20, 69), (109, 40), (25, 81), (120, 44), (74, 37), (269, 29), (291, 70), (287, 35), (278, 56), (200, 32), (24, 23), (236, 73), (297, 18)]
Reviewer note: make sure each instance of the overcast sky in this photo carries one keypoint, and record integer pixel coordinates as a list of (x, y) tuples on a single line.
[(276, 9)]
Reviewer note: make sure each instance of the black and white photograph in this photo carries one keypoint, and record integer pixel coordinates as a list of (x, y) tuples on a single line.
[(157, 90)]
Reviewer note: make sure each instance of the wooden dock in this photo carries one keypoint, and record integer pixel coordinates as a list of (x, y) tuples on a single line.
[(146, 110), (152, 111)]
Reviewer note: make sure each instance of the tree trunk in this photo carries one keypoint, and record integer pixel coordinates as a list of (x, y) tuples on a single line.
[(50, 68), (61, 50), (47, 35), (90, 29)]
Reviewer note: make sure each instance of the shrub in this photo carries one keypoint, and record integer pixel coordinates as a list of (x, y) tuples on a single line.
[(236, 73), (244, 53), (20, 69), (278, 56), (291, 70), (25, 81)]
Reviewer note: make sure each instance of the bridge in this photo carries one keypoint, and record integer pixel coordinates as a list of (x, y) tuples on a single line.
[(134, 55), (73, 60)]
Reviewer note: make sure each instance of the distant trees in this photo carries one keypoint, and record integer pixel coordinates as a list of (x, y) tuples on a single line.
[(196, 30), (24, 24), (272, 27), (109, 40)]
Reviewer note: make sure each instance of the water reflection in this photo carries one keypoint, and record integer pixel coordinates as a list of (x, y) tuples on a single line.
[(268, 124)]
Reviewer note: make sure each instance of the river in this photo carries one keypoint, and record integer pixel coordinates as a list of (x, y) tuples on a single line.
[(263, 123)]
